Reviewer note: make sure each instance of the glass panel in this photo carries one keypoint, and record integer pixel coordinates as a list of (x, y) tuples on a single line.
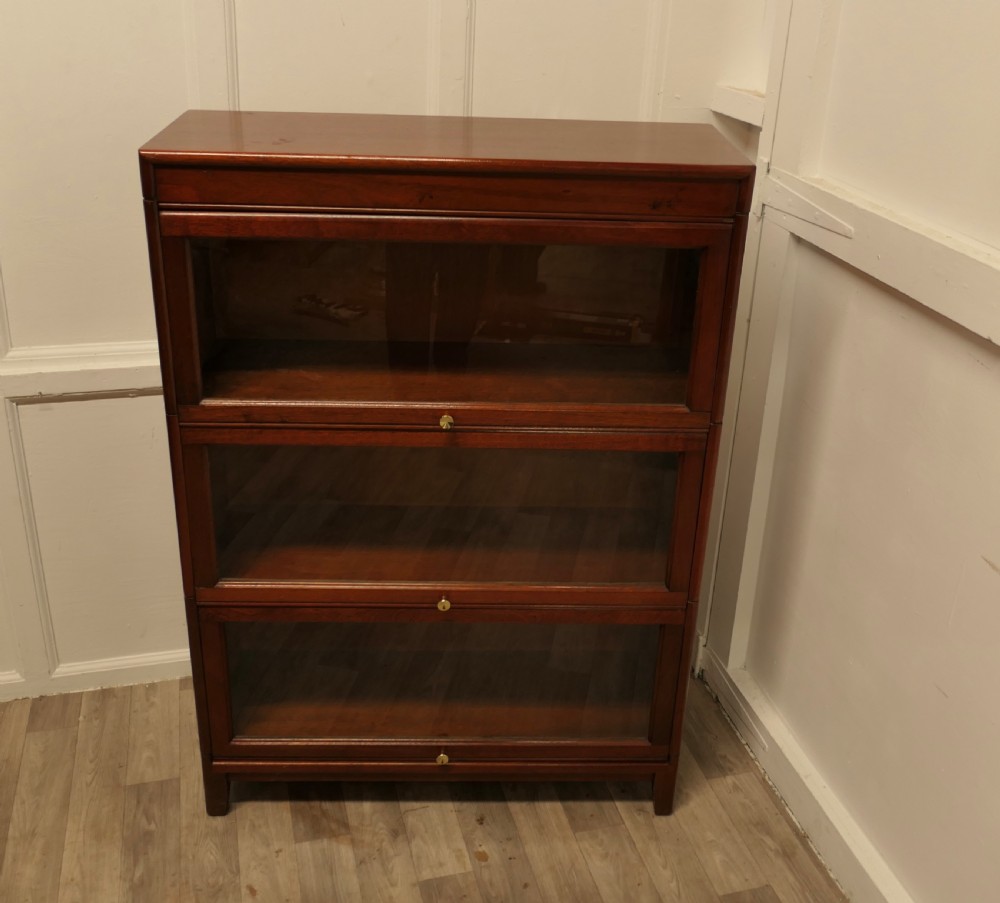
[(441, 514), (413, 681), (376, 321)]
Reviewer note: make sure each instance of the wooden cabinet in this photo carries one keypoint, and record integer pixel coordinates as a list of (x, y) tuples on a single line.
[(443, 397)]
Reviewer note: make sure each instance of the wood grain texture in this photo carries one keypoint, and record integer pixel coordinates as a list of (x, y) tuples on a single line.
[(615, 866), (763, 894), (92, 861), (151, 854), (495, 848), (550, 844), (37, 830), (153, 752), (50, 713), (722, 851), (384, 862), (716, 747), (424, 142), (210, 866), (461, 888), (13, 725), (164, 847), (268, 862), (669, 855), (318, 811), (783, 855), (434, 834), (327, 870)]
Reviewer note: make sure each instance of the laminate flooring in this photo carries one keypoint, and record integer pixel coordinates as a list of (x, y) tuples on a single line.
[(101, 802)]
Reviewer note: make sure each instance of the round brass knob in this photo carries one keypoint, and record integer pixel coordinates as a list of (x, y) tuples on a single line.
[(444, 604), (442, 759), (446, 421)]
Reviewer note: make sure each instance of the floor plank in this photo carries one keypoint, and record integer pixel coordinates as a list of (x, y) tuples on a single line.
[(37, 830), (268, 867), (616, 866), (384, 864), (763, 894), (327, 870), (318, 811), (151, 860), (436, 842), (91, 865), (783, 855), (13, 726), (499, 862), (718, 844), (54, 713), (588, 805), (550, 844), (666, 850), (710, 738), (461, 888), (210, 863), (72, 805), (153, 742)]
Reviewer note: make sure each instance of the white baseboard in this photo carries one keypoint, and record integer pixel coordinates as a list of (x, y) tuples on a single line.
[(107, 672), (851, 856)]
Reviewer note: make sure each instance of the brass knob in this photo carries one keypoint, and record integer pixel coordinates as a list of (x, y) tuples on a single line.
[(446, 421), (444, 604), (442, 759)]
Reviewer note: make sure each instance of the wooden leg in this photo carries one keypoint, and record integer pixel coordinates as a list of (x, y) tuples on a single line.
[(664, 782), (216, 794)]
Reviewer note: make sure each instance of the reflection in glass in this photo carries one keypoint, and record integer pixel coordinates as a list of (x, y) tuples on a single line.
[(504, 322), (397, 514), (432, 681)]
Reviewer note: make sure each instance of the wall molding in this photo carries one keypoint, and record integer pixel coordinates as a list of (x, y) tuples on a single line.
[(145, 660), (739, 103), (74, 677), (658, 17), (232, 55), (30, 524), (956, 277), (10, 678), (468, 96), (33, 373), (838, 838)]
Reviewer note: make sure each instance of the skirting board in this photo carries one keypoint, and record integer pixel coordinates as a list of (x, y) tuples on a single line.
[(108, 672), (851, 856)]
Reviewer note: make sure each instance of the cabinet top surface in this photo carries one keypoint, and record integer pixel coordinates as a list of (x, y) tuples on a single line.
[(427, 142)]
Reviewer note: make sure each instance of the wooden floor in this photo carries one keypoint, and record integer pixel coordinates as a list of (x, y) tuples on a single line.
[(100, 801)]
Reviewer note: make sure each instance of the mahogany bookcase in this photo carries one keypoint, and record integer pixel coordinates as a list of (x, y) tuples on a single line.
[(444, 398)]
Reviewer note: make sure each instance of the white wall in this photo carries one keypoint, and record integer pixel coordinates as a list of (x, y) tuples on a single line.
[(878, 605), (89, 585), (857, 595)]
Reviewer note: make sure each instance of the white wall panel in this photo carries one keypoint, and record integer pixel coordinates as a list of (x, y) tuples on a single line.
[(567, 60), (878, 605), (342, 56), (912, 116), (100, 493), (82, 85)]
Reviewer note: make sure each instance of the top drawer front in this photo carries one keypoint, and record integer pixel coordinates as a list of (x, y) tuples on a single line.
[(643, 198)]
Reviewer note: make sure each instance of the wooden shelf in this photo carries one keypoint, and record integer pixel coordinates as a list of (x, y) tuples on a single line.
[(317, 372), (351, 543), (439, 515), (425, 681)]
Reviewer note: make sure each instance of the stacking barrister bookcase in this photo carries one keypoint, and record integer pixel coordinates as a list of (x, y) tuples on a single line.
[(443, 399)]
